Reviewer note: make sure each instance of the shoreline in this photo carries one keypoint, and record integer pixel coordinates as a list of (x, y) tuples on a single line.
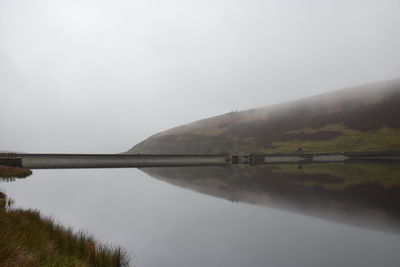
[(30, 239)]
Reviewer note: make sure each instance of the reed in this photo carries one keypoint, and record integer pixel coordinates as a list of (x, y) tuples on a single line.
[(28, 239)]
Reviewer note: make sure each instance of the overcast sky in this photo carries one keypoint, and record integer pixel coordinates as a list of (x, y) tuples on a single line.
[(100, 76)]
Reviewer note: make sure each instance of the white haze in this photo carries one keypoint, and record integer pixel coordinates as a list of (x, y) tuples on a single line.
[(100, 76)]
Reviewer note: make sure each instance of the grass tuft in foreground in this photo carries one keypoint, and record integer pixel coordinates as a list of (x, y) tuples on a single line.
[(28, 239)]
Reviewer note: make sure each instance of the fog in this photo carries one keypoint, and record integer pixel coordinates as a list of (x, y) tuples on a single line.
[(100, 76)]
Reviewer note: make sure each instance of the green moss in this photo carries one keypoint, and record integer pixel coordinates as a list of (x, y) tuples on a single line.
[(384, 139), (339, 127)]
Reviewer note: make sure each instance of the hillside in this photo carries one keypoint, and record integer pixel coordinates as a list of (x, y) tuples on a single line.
[(362, 118)]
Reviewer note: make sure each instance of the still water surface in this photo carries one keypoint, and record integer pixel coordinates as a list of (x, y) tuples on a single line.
[(219, 216)]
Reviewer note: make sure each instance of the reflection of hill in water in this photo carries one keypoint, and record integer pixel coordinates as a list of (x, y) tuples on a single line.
[(365, 195)]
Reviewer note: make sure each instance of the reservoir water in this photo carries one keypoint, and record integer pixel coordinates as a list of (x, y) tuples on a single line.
[(283, 215)]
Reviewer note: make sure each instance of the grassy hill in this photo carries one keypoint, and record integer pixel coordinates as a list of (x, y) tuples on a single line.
[(362, 118)]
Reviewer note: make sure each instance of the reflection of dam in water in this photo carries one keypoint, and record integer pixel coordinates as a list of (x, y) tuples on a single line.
[(366, 195)]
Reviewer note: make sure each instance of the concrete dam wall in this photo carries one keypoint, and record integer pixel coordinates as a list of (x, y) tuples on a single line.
[(64, 161), (53, 161)]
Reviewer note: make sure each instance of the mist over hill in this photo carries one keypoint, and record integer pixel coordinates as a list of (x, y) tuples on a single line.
[(362, 118)]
